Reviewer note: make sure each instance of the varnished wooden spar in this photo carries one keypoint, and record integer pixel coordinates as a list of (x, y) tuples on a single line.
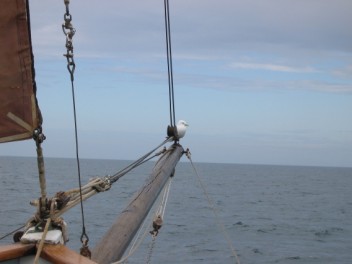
[(113, 245), (63, 255), (58, 254), (16, 251)]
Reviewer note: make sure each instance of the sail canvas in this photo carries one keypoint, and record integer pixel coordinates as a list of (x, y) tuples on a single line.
[(19, 112)]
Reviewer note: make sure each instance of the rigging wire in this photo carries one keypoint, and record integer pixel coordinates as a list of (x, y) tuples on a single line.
[(138, 162), (159, 213), (151, 248), (10, 233), (169, 64), (214, 209), (139, 238), (100, 184), (162, 207), (69, 32)]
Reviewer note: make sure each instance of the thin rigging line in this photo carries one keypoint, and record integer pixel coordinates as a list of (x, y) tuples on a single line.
[(147, 223), (69, 32), (78, 163), (214, 209), (10, 233), (138, 162), (169, 64)]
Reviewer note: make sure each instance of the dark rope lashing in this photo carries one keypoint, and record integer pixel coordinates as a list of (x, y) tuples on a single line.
[(171, 130), (69, 32)]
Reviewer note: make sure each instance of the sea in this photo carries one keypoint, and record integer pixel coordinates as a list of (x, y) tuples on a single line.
[(265, 213)]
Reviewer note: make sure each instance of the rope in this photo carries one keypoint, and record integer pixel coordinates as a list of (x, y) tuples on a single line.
[(136, 243), (41, 244), (138, 162), (94, 186), (162, 207), (41, 170), (151, 248), (69, 32), (159, 213), (140, 238), (169, 64), (214, 209)]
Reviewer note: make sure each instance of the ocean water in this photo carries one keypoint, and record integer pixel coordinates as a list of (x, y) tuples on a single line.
[(272, 214)]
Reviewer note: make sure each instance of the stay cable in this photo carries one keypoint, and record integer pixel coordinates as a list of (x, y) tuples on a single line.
[(169, 64)]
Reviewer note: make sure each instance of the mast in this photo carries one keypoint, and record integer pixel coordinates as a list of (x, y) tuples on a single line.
[(114, 243)]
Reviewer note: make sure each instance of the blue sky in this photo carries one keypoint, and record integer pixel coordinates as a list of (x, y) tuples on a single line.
[(264, 82)]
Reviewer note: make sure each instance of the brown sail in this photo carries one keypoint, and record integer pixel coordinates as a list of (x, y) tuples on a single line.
[(19, 112)]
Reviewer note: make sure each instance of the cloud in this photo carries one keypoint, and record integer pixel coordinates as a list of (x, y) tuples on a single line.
[(345, 72), (206, 26), (259, 84), (271, 67), (48, 41), (330, 87)]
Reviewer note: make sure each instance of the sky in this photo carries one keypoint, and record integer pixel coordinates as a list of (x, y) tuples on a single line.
[(258, 81)]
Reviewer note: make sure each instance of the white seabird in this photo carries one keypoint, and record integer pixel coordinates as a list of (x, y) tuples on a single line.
[(181, 128)]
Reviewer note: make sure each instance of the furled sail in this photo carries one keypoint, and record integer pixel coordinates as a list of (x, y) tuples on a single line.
[(19, 111)]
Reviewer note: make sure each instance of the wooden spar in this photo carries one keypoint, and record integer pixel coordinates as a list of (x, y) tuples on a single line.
[(113, 245), (16, 251), (63, 255), (52, 253)]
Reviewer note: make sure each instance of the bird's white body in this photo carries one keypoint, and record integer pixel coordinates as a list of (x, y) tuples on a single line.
[(181, 128)]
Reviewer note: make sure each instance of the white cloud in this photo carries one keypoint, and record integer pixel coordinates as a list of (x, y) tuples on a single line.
[(271, 67), (328, 87), (344, 72)]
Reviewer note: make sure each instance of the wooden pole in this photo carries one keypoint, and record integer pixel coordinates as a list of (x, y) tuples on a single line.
[(113, 245), (42, 209)]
